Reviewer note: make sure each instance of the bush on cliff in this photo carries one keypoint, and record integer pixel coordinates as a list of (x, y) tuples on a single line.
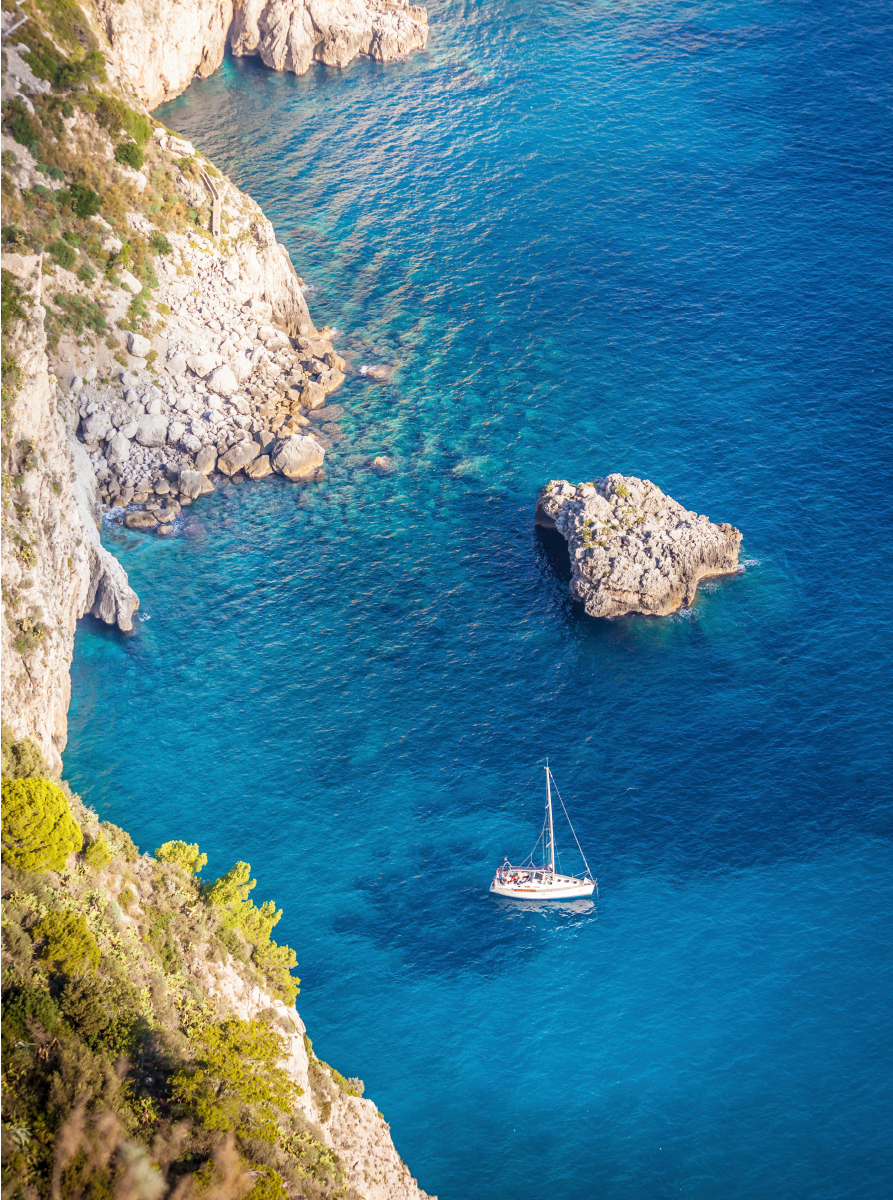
[(66, 943), (39, 831), (233, 1082), (22, 759), (128, 154), (115, 1057), (239, 915), (182, 855)]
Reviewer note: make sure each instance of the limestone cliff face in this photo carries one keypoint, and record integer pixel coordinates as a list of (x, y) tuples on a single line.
[(54, 568), (291, 34), (350, 1125), (157, 47)]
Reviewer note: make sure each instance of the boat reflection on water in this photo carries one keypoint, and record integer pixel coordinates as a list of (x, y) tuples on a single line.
[(576, 908)]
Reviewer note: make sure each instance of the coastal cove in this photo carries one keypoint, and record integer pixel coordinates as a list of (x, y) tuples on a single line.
[(586, 240)]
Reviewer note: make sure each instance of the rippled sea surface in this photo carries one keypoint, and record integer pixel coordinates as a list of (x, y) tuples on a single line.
[(589, 237)]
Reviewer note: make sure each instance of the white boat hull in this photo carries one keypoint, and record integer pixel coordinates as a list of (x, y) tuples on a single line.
[(561, 887)]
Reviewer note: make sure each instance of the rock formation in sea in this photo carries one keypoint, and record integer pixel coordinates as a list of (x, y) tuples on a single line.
[(634, 549), (159, 46)]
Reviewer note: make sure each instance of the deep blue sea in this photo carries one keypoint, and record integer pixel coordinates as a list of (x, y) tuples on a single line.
[(647, 237)]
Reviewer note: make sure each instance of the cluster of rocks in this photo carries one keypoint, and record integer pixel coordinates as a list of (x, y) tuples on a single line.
[(231, 381), (160, 48), (633, 548)]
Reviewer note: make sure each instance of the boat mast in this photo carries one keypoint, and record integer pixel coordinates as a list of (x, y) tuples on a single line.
[(551, 827)]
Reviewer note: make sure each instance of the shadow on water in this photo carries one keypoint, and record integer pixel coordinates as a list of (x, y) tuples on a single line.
[(553, 553)]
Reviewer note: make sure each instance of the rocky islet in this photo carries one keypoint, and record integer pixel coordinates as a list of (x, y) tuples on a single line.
[(634, 549)]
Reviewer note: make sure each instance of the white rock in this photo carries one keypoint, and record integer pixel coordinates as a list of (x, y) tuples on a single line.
[(131, 281), (151, 430), (632, 548), (154, 407), (129, 430), (297, 457), (194, 483), (223, 381), (138, 345), (118, 449), (190, 443), (96, 426), (238, 456), (175, 431), (202, 364)]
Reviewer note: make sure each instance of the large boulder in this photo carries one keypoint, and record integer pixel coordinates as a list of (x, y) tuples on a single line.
[(297, 457), (96, 426), (223, 381), (260, 468), (633, 548), (118, 449), (202, 364), (138, 345), (140, 520), (175, 431), (206, 459), (193, 484), (242, 366), (238, 456), (151, 430), (313, 395)]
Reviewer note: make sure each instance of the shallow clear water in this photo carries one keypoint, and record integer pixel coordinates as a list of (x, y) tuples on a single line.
[(646, 237)]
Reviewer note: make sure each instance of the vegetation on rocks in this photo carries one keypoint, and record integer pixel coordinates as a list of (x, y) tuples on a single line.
[(121, 1077)]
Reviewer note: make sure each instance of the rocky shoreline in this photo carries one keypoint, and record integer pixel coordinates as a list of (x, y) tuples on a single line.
[(233, 380), (157, 344)]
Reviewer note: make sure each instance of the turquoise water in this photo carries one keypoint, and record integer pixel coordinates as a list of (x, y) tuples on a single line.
[(646, 237)]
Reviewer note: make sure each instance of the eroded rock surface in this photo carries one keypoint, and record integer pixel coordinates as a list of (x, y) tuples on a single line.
[(633, 548), (159, 46)]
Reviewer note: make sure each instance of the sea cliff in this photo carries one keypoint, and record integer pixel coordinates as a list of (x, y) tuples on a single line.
[(155, 337)]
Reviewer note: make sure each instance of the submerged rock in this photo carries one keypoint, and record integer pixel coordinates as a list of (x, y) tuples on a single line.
[(632, 548)]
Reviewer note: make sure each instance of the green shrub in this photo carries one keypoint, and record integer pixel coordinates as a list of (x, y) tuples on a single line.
[(14, 301), (23, 759), (98, 854), (230, 894), (69, 946), (182, 855), (78, 313), (72, 238), (86, 274), (236, 1068), (269, 1186), (121, 842), (39, 831), (84, 201), (22, 1005), (160, 244), (130, 155), (63, 254), (21, 126), (14, 238)]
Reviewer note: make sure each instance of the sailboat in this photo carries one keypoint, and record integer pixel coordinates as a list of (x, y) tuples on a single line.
[(531, 882)]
